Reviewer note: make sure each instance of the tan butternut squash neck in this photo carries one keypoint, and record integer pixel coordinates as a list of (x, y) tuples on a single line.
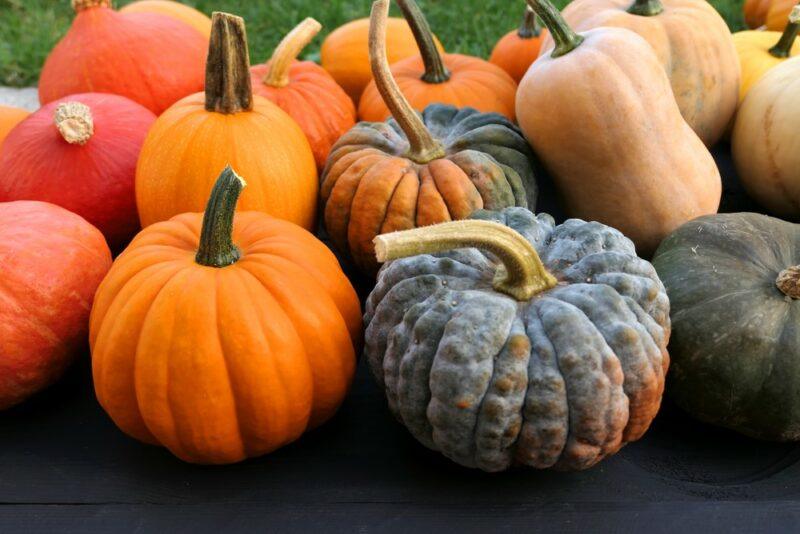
[(287, 51), (788, 282), (522, 276), (529, 27), (80, 5), (435, 69), (423, 148), (783, 48), (565, 38), (646, 8), (216, 247), (228, 88)]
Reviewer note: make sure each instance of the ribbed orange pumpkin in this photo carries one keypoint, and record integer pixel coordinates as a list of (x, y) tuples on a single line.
[(306, 91), (778, 14), (516, 50), (190, 143), (433, 78), (187, 14), (755, 12), (223, 338), (152, 59), (10, 117)]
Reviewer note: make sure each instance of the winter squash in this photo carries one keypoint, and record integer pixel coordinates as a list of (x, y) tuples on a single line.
[(755, 12), (345, 52), (778, 14), (645, 175), (306, 91), (250, 316), (435, 78), (508, 340), (53, 261), (415, 171), (516, 50), (187, 14), (732, 281), (760, 51), (80, 153), (197, 137), (765, 144), (152, 59), (10, 117), (685, 34)]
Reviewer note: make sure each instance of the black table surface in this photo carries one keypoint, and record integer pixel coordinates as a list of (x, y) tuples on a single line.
[(65, 467)]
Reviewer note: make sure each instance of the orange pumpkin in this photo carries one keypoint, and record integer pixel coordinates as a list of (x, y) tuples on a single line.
[(193, 140), (755, 12), (517, 49), (306, 91), (152, 59), (778, 14), (433, 78), (10, 117), (345, 52), (187, 14), (223, 338)]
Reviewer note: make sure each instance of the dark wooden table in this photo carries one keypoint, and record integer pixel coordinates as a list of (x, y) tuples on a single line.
[(65, 467)]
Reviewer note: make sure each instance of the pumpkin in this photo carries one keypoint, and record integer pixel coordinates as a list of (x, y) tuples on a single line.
[(778, 14), (516, 50), (345, 52), (187, 14), (9, 118), (152, 59), (53, 261), (190, 143), (755, 12), (414, 171), (305, 91), (222, 337), (760, 51), (765, 144), (433, 78), (509, 340), (685, 34), (644, 175), (80, 153), (733, 282)]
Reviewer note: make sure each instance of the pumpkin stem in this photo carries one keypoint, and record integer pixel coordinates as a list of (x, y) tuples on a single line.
[(287, 51), (228, 87), (783, 48), (522, 276), (788, 282), (565, 38), (80, 5), (529, 27), (435, 70), (216, 238), (423, 147), (75, 123), (646, 8)]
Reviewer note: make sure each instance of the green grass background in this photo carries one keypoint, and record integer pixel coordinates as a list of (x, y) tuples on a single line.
[(30, 28)]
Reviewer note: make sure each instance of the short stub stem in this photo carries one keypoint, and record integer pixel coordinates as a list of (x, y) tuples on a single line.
[(529, 27), (788, 281), (74, 122), (80, 5), (565, 38), (228, 88), (216, 247), (287, 51), (646, 8)]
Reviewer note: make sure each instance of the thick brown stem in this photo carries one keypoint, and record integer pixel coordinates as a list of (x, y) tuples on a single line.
[(783, 48), (228, 87), (80, 5), (522, 274), (529, 27), (788, 282), (75, 123), (565, 38), (423, 147), (435, 69), (216, 247), (287, 51)]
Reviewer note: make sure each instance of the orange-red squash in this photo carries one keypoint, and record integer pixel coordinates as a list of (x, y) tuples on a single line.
[(435, 78), (52, 262), (150, 58), (9, 118), (187, 14), (222, 337), (80, 153), (196, 138), (517, 49), (769, 13), (305, 91)]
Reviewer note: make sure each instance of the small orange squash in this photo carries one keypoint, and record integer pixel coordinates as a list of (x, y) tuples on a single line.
[(517, 49), (222, 337), (177, 10), (305, 91), (755, 12), (194, 139), (10, 117), (434, 78), (778, 14)]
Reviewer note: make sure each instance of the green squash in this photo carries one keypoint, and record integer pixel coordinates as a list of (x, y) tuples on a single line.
[(733, 286)]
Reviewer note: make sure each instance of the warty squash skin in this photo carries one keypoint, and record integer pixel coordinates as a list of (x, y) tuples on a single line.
[(187, 14), (223, 338), (516, 50), (9, 118), (693, 44), (733, 283), (766, 142), (495, 357), (599, 114)]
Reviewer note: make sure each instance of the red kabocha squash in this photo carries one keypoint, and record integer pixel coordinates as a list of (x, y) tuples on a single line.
[(150, 58), (190, 143), (80, 153), (434, 78), (305, 91), (223, 337), (516, 50), (52, 262), (9, 118), (186, 14)]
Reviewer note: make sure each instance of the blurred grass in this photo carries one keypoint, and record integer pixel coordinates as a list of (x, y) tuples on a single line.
[(30, 28)]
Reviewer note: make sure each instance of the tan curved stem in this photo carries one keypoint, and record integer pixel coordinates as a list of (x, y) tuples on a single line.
[(287, 51)]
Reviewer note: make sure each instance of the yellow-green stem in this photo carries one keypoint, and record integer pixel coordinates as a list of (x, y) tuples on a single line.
[(287, 51)]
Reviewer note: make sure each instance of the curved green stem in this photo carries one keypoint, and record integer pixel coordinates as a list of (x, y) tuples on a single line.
[(228, 88), (529, 27), (783, 48), (216, 239), (565, 38), (646, 8), (435, 70)]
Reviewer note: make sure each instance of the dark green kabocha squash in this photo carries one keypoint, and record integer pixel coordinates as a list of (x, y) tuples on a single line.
[(734, 282), (540, 345)]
